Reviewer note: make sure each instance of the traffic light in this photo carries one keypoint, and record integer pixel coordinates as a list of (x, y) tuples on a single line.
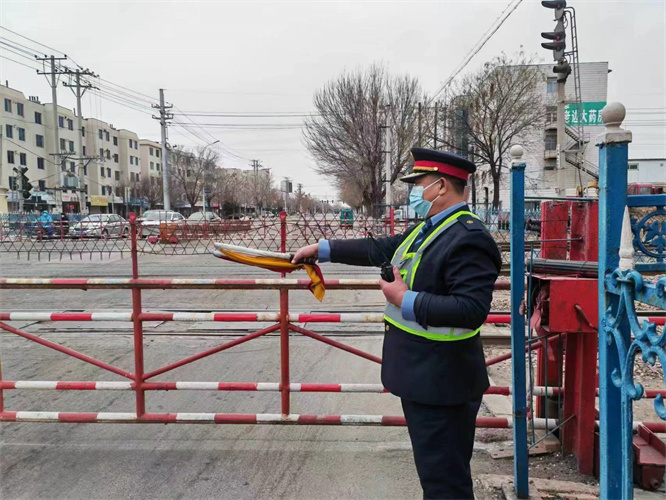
[(563, 70), (558, 43), (558, 5), (557, 39), (26, 187)]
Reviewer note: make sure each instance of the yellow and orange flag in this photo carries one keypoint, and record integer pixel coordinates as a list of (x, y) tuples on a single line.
[(278, 262)]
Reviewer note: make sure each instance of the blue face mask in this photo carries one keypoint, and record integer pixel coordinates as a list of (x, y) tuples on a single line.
[(421, 207)]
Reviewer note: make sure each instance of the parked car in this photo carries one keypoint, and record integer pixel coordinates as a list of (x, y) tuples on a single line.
[(100, 226), (150, 221), (202, 217)]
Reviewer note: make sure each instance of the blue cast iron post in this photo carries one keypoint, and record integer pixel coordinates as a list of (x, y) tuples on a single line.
[(613, 158), (518, 376)]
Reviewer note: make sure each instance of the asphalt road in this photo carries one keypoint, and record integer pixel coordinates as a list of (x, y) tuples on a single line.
[(72, 461)]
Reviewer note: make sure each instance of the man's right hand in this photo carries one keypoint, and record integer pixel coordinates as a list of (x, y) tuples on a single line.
[(308, 252)]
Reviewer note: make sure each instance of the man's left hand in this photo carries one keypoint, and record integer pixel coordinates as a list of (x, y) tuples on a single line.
[(396, 290)]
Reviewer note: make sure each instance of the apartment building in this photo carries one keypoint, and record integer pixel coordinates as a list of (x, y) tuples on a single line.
[(150, 154), (112, 159)]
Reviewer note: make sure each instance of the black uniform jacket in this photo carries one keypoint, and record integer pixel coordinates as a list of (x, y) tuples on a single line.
[(455, 282)]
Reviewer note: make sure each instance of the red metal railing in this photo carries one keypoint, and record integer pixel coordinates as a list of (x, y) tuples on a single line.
[(139, 380)]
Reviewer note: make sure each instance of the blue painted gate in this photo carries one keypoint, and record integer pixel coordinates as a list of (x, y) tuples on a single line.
[(627, 247)]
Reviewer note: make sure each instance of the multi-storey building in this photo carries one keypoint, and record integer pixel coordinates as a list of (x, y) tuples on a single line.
[(22, 144), (150, 154), (111, 159)]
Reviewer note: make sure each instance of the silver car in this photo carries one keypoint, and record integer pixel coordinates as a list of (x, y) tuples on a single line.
[(100, 226), (150, 221)]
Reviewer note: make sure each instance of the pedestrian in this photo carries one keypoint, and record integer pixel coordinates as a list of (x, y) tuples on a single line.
[(444, 270), (64, 224), (46, 223)]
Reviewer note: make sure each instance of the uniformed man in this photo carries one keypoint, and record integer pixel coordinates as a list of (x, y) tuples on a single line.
[(444, 274)]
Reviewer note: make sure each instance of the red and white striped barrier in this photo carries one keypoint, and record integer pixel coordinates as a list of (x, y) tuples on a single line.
[(58, 316), (67, 386), (266, 418), (253, 387), (221, 284), (189, 386), (126, 316), (233, 418)]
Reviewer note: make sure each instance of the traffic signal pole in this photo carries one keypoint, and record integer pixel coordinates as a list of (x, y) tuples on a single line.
[(561, 137), (19, 182)]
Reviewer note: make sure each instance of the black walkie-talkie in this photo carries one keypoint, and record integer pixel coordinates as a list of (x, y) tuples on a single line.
[(386, 271)]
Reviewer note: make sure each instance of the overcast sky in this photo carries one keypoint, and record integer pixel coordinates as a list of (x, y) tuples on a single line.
[(258, 57)]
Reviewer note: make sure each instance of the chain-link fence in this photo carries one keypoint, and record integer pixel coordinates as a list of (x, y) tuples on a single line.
[(103, 235)]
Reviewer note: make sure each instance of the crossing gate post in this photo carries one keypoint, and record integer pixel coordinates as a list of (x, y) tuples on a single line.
[(137, 323), (284, 326), (613, 164), (518, 375)]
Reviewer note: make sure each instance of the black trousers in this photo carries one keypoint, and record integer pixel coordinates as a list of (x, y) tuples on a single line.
[(443, 440)]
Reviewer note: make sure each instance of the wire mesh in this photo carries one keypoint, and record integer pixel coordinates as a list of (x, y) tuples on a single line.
[(100, 236)]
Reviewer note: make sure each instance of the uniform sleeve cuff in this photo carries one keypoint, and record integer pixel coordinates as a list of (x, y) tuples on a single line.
[(324, 252), (408, 301)]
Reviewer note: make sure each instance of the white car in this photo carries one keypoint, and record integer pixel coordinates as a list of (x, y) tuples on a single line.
[(100, 226), (202, 217), (150, 221)]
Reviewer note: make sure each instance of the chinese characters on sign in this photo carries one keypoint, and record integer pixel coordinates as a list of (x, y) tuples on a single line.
[(590, 113)]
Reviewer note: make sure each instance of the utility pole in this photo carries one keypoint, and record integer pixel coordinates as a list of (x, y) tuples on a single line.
[(434, 141), (287, 188), (52, 78), (164, 117), (79, 88), (420, 127), (300, 196), (255, 169), (387, 163)]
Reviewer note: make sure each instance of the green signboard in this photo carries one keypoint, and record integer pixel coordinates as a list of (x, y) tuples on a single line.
[(590, 113)]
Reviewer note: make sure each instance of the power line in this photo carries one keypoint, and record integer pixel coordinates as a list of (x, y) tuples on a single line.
[(120, 102), (33, 41), (31, 152), (203, 141), (126, 95), (18, 62), (258, 114), (222, 146), (133, 94), (479, 45), (30, 53), (243, 125)]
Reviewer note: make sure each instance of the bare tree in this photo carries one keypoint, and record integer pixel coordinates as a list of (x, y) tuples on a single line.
[(350, 193), (265, 189), (346, 136), (192, 171), (149, 189), (491, 110)]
